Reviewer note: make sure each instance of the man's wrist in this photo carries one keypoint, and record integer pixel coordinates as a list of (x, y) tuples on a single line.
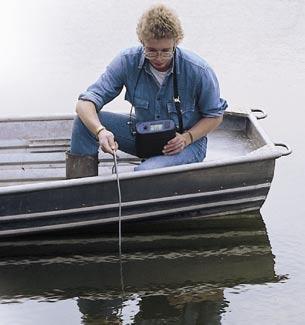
[(188, 136), (98, 130)]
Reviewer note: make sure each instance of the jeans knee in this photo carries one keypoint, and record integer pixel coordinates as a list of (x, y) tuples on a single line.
[(140, 167), (83, 141), (148, 164)]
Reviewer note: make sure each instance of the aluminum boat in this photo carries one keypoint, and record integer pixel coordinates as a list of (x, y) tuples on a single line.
[(35, 197)]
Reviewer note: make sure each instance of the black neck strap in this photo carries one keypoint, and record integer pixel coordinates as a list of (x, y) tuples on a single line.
[(176, 96)]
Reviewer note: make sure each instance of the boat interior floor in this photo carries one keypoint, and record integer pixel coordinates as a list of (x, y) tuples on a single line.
[(35, 160)]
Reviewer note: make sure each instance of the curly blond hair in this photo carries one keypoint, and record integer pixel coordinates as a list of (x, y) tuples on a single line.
[(159, 22)]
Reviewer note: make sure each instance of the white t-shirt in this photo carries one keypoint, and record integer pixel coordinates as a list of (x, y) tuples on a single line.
[(160, 75)]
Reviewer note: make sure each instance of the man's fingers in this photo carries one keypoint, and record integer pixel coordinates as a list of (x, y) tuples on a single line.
[(108, 144), (173, 149), (114, 147), (106, 147), (111, 142), (173, 140), (174, 146)]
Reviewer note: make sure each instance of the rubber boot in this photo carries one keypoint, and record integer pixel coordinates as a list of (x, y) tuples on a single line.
[(78, 166)]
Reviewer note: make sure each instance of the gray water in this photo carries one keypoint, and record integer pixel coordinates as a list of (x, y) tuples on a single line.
[(52, 50)]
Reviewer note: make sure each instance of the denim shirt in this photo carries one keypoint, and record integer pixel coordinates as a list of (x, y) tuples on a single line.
[(198, 87)]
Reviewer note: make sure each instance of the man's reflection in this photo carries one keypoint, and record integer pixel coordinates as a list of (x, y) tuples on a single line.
[(189, 308), (186, 287), (180, 285), (100, 311)]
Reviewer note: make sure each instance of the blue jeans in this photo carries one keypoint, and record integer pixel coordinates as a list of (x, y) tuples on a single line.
[(83, 142)]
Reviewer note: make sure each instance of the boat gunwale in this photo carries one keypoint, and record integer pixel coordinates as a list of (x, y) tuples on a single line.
[(270, 155), (70, 116), (37, 118)]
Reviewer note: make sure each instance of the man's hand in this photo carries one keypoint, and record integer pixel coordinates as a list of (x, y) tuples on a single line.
[(176, 145), (107, 142)]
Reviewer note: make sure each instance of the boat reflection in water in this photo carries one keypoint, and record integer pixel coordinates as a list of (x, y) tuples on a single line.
[(175, 277)]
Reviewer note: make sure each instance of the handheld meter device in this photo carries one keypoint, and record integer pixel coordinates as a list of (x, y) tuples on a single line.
[(152, 136)]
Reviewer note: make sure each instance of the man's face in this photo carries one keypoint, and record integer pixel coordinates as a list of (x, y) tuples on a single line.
[(159, 52)]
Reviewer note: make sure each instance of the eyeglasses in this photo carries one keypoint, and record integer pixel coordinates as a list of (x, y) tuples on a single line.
[(151, 54)]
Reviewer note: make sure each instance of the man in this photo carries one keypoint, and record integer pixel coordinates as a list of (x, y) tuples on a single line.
[(147, 73)]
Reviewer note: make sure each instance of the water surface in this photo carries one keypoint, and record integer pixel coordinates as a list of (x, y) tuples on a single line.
[(52, 50), (168, 277)]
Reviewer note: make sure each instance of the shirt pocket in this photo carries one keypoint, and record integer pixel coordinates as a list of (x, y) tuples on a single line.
[(187, 111), (140, 103), (141, 109)]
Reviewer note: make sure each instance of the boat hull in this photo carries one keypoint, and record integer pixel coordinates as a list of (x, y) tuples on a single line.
[(92, 202), (235, 177)]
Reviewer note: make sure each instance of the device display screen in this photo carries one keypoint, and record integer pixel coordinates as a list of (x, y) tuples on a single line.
[(156, 127)]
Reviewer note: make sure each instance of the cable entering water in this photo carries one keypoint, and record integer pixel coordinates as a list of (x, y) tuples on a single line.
[(120, 219)]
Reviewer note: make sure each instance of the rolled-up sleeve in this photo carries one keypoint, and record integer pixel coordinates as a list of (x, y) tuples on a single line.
[(209, 101), (108, 86)]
